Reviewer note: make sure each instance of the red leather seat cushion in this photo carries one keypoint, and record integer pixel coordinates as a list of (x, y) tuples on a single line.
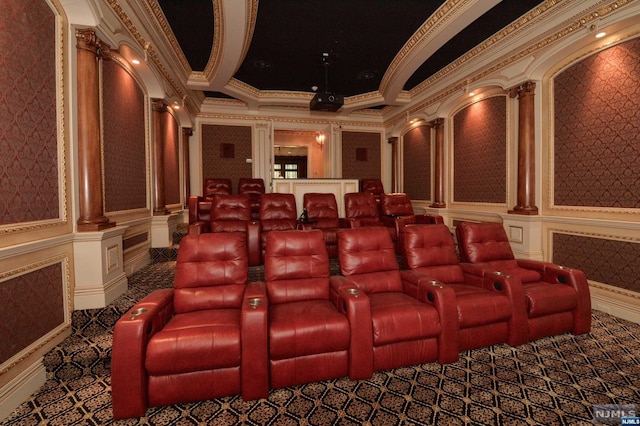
[(510, 267), (477, 306), (545, 298), (398, 317), (306, 328), (195, 341)]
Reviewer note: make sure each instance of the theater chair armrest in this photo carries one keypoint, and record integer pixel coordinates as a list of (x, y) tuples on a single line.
[(443, 298), (473, 273), (199, 227), (354, 303), (254, 248), (130, 338), (253, 331), (575, 278), (193, 208), (512, 288)]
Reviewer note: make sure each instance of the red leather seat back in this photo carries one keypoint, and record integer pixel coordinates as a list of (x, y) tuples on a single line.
[(296, 266), (230, 208), (361, 205), (368, 257), (374, 186), (483, 242), (322, 207), (278, 211), (211, 272), (213, 187), (430, 249), (251, 186), (397, 204)]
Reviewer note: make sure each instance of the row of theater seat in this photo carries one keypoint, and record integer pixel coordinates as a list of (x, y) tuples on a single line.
[(214, 334), (231, 213)]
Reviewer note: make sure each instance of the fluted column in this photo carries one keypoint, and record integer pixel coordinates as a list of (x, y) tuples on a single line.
[(394, 161), (186, 133), (438, 183), (90, 199), (526, 149), (159, 203)]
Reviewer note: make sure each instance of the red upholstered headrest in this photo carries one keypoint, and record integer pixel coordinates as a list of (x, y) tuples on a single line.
[(483, 242), (397, 203), (296, 266), (360, 204), (211, 271)]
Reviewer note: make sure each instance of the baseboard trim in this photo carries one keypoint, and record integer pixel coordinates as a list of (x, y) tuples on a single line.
[(616, 302), (21, 387)]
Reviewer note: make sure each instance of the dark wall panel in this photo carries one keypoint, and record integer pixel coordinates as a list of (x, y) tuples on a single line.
[(171, 160), (597, 130), (417, 163), (125, 166), (360, 155), (612, 262), (480, 157), (32, 306), (224, 152), (28, 124)]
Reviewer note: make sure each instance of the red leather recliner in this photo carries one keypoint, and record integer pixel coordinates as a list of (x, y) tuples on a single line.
[(200, 207), (374, 186), (277, 213), (199, 340), (396, 212), (232, 213), (314, 329), (254, 188), (490, 311), (362, 209), (323, 212), (405, 330), (557, 298)]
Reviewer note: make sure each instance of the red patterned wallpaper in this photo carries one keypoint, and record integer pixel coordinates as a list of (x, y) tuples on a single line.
[(123, 123), (417, 163), (361, 155), (597, 130), (32, 306), (28, 126), (479, 150), (171, 160), (612, 262), (213, 166)]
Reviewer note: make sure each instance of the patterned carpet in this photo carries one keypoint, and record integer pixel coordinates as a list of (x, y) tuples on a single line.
[(552, 381)]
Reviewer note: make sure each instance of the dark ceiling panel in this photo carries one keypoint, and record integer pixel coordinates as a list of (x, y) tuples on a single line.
[(291, 35), (192, 24), (475, 33)]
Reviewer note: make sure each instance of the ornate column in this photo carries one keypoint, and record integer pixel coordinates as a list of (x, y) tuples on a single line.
[(394, 160), (89, 50), (438, 184), (526, 149), (186, 133), (159, 203)]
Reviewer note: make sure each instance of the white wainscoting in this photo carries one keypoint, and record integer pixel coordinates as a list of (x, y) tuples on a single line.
[(299, 187)]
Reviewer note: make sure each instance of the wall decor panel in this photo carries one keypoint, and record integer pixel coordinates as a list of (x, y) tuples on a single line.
[(417, 163), (213, 165), (29, 155), (480, 152), (612, 262), (597, 130), (171, 160), (361, 157), (33, 304), (124, 146)]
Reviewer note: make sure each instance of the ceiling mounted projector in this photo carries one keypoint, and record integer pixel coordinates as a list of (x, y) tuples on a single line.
[(326, 100)]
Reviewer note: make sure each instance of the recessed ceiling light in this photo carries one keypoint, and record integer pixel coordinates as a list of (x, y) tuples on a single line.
[(601, 34), (472, 93), (135, 61)]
